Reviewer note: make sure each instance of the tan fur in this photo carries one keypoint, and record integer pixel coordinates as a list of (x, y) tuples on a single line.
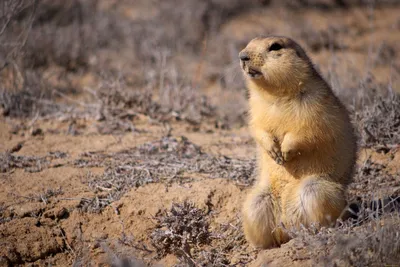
[(306, 143)]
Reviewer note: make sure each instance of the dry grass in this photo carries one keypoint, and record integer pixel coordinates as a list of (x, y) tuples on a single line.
[(45, 196), (29, 163), (180, 230), (9, 161), (185, 232), (49, 35), (168, 160), (118, 103), (379, 123), (374, 243), (58, 33)]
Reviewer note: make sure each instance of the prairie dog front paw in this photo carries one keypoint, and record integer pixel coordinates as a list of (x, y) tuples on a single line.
[(273, 149), (289, 148)]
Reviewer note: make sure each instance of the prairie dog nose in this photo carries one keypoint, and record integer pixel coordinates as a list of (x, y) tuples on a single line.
[(244, 56)]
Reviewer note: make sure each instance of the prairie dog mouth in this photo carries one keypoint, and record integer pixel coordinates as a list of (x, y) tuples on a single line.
[(251, 72)]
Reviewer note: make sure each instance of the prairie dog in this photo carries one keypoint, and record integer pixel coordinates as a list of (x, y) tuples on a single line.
[(307, 147)]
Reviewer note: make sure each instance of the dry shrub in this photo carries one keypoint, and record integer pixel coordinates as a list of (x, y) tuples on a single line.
[(10, 10), (30, 95), (181, 230), (175, 99), (29, 163), (376, 243), (46, 195), (184, 232), (371, 241), (379, 123), (229, 247), (36, 35), (9, 161), (20, 90), (59, 32)]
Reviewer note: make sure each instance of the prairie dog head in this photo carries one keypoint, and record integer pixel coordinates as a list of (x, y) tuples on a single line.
[(276, 63)]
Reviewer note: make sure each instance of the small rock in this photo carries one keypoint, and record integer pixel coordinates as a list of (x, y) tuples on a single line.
[(36, 131), (16, 148), (62, 213)]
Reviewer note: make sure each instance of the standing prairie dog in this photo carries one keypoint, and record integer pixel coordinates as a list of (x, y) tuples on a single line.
[(307, 147)]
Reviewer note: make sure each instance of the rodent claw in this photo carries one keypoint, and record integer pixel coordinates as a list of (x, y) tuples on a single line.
[(276, 155), (279, 160)]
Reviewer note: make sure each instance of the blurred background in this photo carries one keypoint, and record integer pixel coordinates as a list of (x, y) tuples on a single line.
[(178, 59)]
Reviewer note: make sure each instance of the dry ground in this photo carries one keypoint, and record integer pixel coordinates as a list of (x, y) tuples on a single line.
[(123, 137)]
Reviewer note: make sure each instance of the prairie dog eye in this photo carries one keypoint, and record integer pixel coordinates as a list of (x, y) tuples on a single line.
[(275, 47)]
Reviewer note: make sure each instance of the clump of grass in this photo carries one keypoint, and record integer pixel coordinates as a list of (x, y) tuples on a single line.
[(373, 180), (379, 123), (56, 32), (29, 163), (39, 35), (374, 191), (45, 195), (229, 247), (117, 99), (9, 161), (376, 243), (184, 231), (27, 95), (180, 230), (167, 97)]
